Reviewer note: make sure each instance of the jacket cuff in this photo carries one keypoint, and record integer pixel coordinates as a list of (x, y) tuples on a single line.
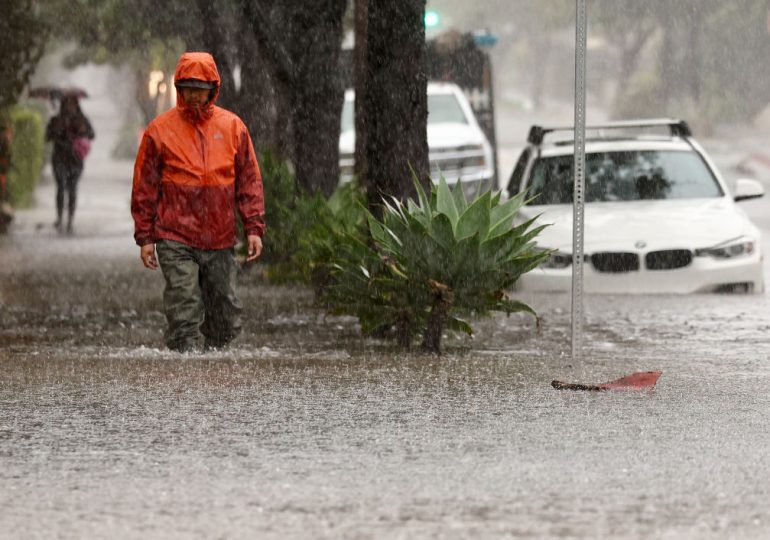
[(144, 240)]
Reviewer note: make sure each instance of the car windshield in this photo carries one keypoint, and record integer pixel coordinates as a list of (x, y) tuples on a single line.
[(442, 108), (625, 176)]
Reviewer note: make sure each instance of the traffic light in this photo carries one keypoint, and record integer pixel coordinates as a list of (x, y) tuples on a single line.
[(432, 19)]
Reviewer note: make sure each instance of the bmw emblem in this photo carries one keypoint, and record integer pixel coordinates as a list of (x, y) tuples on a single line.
[(641, 244)]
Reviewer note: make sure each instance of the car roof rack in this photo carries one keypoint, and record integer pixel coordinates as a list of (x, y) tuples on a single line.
[(678, 128)]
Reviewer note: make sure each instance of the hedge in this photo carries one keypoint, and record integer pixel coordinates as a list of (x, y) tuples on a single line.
[(26, 155)]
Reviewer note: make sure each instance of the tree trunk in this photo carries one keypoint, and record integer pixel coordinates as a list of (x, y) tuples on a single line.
[(268, 25), (395, 102), (318, 95), (300, 43), (361, 19), (435, 327), (214, 39), (404, 333)]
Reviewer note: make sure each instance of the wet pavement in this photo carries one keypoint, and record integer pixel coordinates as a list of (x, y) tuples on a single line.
[(304, 430)]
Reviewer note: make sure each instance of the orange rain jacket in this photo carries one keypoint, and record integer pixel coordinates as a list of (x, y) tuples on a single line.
[(193, 170)]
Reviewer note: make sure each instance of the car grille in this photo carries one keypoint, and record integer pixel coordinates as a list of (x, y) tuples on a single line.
[(615, 263), (670, 259)]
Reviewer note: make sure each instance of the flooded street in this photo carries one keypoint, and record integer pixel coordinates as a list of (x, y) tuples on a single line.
[(305, 430)]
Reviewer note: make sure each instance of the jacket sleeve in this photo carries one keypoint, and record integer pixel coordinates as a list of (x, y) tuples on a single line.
[(248, 187), (146, 190)]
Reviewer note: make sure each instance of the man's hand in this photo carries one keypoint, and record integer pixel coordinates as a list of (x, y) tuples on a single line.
[(255, 247), (147, 254)]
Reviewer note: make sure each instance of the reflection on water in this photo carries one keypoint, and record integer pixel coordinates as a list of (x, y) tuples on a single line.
[(303, 430)]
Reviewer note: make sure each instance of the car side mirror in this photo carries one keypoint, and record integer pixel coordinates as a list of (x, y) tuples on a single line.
[(746, 189)]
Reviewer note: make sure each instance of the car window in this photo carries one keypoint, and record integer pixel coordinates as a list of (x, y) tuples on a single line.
[(443, 108), (625, 176)]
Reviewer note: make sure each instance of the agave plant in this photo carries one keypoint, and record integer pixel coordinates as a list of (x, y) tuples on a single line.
[(430, 263)]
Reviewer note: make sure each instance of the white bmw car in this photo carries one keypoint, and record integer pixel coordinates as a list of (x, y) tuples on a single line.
[(658, 216)]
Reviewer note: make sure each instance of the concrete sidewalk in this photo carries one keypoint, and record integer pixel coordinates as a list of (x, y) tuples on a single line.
[(102, 228)]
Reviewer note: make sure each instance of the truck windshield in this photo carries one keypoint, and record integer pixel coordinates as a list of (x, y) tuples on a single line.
[(442, 108), (625, 176)]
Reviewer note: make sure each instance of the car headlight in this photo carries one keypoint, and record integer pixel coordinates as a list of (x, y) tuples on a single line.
[(728, 250), (557, 260)]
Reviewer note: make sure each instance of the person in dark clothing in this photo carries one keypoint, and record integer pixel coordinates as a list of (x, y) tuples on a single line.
[(71, 133)]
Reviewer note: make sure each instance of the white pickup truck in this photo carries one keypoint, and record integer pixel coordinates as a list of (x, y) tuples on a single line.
[(458, 148)]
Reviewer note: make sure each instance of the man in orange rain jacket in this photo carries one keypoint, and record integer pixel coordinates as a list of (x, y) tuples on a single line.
[(195, 167)]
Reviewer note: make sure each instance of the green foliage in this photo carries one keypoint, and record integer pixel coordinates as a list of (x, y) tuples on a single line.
[(26, 155), (287, 211), (22, 40), (333, 222), (303, 228), (429, 263)]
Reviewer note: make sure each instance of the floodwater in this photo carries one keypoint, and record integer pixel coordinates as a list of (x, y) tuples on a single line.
[(304, 430)]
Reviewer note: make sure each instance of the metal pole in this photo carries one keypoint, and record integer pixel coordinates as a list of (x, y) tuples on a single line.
[(579, 193)]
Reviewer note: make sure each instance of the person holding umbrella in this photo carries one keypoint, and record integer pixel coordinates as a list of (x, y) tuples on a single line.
[(71, 133)]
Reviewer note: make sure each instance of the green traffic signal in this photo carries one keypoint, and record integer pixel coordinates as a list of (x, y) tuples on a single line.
[(432, 19)]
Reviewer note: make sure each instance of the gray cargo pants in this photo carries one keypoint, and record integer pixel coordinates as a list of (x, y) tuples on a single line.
[(199, 295)]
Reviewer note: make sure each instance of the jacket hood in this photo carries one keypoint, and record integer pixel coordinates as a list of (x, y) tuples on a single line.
[(200, 66)]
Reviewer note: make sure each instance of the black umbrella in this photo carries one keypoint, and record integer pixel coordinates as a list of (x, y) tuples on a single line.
[(56, 92)]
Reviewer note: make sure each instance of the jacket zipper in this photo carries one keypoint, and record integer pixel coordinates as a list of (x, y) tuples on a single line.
[(202, 140)]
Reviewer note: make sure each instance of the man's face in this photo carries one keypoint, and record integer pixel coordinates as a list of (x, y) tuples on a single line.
[(195, 97)]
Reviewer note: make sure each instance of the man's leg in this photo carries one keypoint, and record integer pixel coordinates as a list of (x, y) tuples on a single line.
[(222, 321), (182, 295)]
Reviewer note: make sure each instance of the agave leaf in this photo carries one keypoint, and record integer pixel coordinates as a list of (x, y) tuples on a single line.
[(441, 231), (384, 236), (445, 203), (461, 202), (514, 306), (377, 230), (466, 256), (521, 228), (458, 325), (421, 196), (395, 208), (521, 266), (509, 245), (475, 219), (414, 211), (502, 216)]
